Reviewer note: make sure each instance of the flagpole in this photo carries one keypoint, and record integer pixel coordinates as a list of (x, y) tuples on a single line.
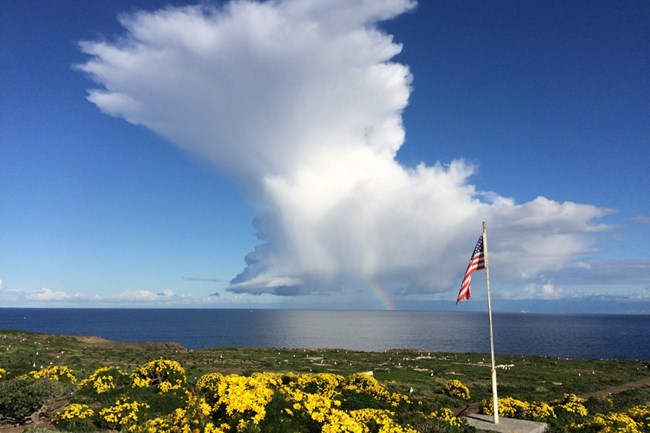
[(495, 400)]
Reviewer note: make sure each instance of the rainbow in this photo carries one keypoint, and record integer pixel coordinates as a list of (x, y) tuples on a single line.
[(381, 294)]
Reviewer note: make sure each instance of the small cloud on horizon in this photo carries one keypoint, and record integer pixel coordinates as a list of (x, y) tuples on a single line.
[(47, 295), (205, 279)]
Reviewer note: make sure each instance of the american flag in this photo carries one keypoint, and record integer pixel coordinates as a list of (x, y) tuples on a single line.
[(476, 262)]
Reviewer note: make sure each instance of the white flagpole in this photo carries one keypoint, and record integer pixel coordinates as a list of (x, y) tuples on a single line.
[(495, 400)]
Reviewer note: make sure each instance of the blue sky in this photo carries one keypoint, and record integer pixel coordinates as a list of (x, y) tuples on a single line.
[(294, 155)]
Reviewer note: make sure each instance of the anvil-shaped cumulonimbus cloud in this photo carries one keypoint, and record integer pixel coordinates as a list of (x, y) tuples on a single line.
[(300, 101)]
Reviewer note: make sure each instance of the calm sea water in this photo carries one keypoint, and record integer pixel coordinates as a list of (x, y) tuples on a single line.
[(573, 336)]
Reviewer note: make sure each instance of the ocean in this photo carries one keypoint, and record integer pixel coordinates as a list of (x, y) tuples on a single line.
[(567, 336)]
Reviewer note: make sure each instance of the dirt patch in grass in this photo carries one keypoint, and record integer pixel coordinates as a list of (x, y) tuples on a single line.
[(643, 383)]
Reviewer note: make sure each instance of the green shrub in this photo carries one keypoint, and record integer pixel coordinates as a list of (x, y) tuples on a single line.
[(21, 397)]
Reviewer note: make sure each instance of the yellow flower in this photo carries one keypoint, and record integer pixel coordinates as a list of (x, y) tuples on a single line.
[(455, 388), (319, 383), (54, 373), (211, 428), (241, 425), (608, 423), (541, 411), (3, 373), (123, 414), (104, 379), (508, 406), (317, 406), (573, 404), (194, 414), (164, 374), (641, 414), (209, 382), (446, 415), (384, 419), (363, 383), (72, 414), (154, 425), (340, 422), (240, 395)]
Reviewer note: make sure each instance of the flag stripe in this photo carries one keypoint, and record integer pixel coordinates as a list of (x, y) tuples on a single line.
[(476, 262)]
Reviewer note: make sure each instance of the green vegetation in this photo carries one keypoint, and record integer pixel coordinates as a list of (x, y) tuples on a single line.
[(89, 384), (20, 397)]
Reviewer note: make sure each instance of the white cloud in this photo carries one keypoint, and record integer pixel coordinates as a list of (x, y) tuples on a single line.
[(544, 291), (47, 295), (167, 295), (640, 220), (612, 272), (643, 294), (301, 102)]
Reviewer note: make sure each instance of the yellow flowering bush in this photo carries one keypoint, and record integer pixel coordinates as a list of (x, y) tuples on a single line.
[(55, 373), (124, 414), (607, 423), (240, 395), (508, 406), (455, 388), (641, 414), (383, 419), (163, 374), (541, 411), (446, 415), (213, 428), (511, 407), (73, 415), (193, 416), (338, 421), (154, 425), (321, 396), (317, 406), (209, 382), (320, 383), (572, 404), (104, 379), (363, 383)]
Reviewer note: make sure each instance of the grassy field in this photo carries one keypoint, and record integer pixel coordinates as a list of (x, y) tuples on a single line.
[(418, 374), (521, 377)]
